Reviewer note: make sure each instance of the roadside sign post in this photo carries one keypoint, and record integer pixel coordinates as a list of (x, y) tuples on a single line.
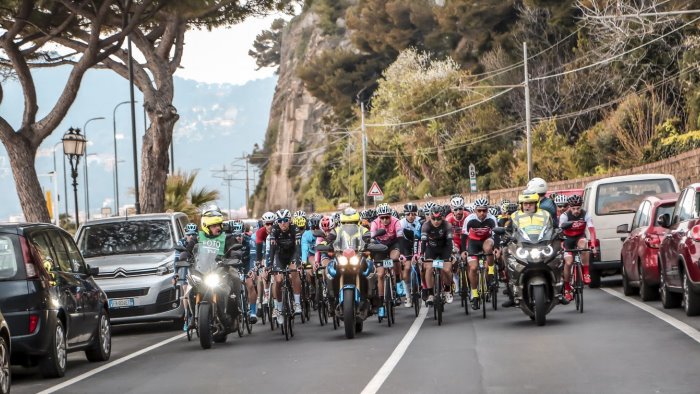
[(375, 192), (472, 178)]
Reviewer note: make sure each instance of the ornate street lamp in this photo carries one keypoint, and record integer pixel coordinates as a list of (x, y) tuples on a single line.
[(74, 147)]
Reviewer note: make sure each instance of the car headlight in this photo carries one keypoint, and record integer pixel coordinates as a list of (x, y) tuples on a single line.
[(167, 268), (212, 280), (354, 260), (342, 260)]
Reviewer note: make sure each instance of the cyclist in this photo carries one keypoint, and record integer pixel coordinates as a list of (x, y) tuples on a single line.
[(576, 239), (456, 219), (180, 277), (477, 229), (262, 236), (436, 243), (539, 186), (249, 269), (307, 245), (411, 231), (562, 203), (394, 232), (283, 250), (427, 208)]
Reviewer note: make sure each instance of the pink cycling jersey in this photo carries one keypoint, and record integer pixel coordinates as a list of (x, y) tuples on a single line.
[(393, 230)]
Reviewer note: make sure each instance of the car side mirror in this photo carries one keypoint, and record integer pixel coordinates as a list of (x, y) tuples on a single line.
[(93, 271), (664, 220), (380, 232), (623, 229)]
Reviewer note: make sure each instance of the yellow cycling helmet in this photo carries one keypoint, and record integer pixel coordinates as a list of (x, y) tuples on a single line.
[(528, 196), (210, 218), (350, 215), (299, 222)]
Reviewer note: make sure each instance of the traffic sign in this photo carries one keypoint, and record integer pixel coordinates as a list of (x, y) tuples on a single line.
[(472, 177), (375, 191)]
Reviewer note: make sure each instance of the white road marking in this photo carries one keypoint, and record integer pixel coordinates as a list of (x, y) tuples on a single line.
[(682, 327), (109, 365), (376, 383)]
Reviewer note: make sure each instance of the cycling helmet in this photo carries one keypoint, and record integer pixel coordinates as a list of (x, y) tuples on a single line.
[(457, 202), (410, 208), (446, 210), (350, 215), (493, 211), (537, 185), (575, 200), (364, 214), (236, 226), (481, 203), (436, 211), (469, 207), (528, 196), (300, 213), (394, 213), (299, 222), (190, 229), (268, 217), (314, 222), (283, 214), (561, 200), (428, 206), (210, 218), (316, 216), (512, 208), (383, 209), (327, 224), (421, 212), (504, 205)]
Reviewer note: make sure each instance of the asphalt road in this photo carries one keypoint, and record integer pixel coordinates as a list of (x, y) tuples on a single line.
[(613, 347)]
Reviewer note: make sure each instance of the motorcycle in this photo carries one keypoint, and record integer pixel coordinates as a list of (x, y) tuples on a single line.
[(350, 264), (535, 267), (216, 312)]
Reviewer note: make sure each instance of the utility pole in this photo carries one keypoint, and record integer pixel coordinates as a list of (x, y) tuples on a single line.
[(247, 183), (227, 175), (364, 154), (528, 118)]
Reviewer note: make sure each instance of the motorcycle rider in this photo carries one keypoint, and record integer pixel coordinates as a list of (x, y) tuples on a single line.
[(436, 243), (411, 231), (180, 277), (477, 229), (539, 186), (283, 250)]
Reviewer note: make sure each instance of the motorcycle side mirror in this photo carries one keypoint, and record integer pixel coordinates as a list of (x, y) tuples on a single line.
[(234, 248), (566, 225), (380, 232), (499, 230), (324, 248), (319, 234), (375, 248)]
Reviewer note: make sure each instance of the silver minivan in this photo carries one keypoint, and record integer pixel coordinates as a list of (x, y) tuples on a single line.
[(612, 202), (135, 256)]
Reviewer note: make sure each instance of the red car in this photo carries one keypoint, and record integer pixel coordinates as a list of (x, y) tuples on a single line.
[(639, 253), (679, 254)]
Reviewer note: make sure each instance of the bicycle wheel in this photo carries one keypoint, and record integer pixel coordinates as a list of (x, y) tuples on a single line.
[(438, 303), (285, 313), (388, 300), (415, 292), (482, 290), (464, 292), (579, 286), (494, 292)]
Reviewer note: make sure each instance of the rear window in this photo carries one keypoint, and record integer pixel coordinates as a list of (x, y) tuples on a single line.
[(9, 255), (126, 237), (625, 197)]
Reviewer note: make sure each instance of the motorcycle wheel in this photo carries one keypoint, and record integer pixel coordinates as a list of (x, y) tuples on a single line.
[(205, 326), (540, 306), (349, 312)]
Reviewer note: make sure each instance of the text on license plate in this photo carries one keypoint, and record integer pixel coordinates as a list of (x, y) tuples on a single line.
[(121, 303)]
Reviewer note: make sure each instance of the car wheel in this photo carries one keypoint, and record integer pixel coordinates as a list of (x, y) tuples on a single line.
[(691, 300), (54, 364), (668, 299), (5, 374), (626, 287), (647, 292), (101, 348)]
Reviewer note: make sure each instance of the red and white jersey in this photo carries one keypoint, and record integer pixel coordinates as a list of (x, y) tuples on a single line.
[(581, 222)]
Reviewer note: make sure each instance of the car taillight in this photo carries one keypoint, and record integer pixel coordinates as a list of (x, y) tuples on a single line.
[(33, 323), (694, 233), (652, 241), (27, 257)]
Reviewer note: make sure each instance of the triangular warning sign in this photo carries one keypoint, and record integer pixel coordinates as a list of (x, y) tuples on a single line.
[(375, 191)]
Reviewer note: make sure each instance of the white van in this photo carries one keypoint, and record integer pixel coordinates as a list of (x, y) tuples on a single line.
[(612, 202)]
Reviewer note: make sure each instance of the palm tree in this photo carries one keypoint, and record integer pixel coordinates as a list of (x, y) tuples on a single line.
[(179, 196)]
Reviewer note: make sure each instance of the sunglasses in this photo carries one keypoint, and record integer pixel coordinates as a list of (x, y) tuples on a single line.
[(561, 205), (437, 218), (410, 214), (482, 210), (283, 220), (385, 217), (458, 209), (268, 224)]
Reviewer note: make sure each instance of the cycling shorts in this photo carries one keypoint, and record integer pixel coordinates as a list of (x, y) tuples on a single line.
[(572, 242)]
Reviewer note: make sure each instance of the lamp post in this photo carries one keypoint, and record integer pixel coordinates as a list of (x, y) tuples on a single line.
[(85, 169), (74, 148), (116, 172)]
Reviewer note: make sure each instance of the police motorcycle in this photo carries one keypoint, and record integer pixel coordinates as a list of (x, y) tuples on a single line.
[(535, 265), (211, 299), (350, 266)]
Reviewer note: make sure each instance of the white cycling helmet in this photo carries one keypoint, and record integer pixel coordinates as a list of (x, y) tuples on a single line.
[(283, 214), (457, 202), (561, 199), (537, 185), (384, 209), (268, 217), (481, 203)]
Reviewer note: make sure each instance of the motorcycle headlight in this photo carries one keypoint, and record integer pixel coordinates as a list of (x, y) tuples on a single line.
[(167, 268), (522, 253), (212, 280), (536, 254), (354, 260), (548, 251), (342, 260)]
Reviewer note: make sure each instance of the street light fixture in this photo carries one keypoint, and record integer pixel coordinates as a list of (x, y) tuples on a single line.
[(85, 169), (74, 148), (116, 172)]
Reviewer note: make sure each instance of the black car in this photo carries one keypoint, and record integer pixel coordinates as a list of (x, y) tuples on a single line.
[(49, 298), (5, 375)]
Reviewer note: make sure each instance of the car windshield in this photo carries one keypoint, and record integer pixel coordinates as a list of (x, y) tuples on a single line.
[(136, 236), (8, 260), (625, 197), (349, 237)]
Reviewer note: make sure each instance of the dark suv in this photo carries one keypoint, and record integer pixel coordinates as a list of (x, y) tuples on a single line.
[(49, 298)]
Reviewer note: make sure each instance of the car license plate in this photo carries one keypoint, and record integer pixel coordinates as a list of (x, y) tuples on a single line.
[(438, 264), (121, 303), (388, 263)]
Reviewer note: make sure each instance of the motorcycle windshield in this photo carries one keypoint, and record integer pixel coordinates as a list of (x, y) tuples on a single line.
[(545, 235), (349, 236), (206, 258)]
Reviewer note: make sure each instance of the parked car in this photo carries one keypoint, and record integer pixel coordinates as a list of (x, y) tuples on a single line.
[(679, 253), (5, 351), (639, 255), (50, 299), (135, 256), (611, 202)]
